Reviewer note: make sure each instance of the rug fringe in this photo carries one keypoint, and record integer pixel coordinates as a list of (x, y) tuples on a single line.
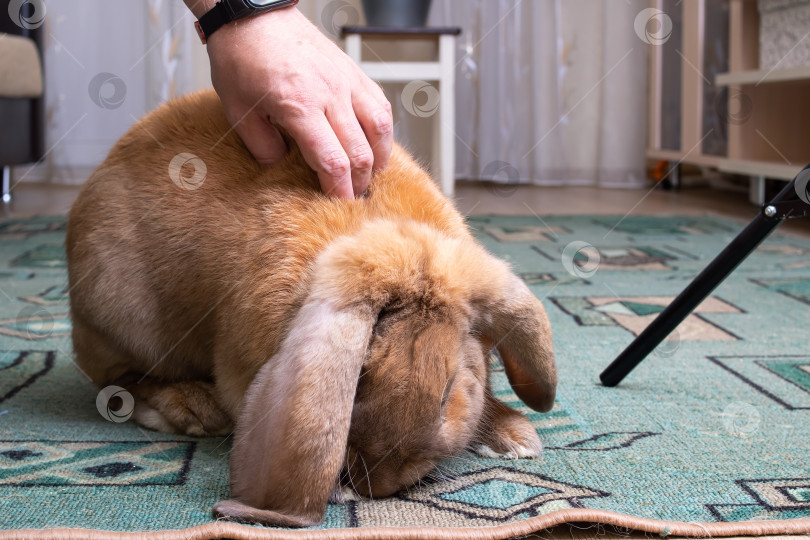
[(235, 531)]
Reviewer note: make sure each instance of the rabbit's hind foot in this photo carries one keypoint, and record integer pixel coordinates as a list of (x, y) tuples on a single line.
[(183, 407)]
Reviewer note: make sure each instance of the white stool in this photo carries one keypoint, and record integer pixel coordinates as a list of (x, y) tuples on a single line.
[(442, 71)]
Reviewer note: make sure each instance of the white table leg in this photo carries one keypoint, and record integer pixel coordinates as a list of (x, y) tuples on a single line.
[(443, 73), (756, 190), (447, 113), (353, 47)]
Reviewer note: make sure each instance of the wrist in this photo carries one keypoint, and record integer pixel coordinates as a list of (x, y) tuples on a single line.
[(244, 32), (226, 13)]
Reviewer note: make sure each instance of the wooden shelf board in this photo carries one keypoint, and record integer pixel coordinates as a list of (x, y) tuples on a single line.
[(691, 159), (657, 153), (768, 169), (757, 77)]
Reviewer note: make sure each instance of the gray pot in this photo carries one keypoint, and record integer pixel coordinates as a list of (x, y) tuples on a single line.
[(396, 13)]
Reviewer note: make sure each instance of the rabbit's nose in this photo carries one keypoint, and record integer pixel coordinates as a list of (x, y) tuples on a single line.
[(370, 477), (385, 484)]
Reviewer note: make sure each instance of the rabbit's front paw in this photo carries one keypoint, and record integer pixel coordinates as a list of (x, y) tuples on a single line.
[(343, 494), (505, 433), (511, 444)]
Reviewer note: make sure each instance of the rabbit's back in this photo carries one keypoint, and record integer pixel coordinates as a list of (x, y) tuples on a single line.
[(181, 249)]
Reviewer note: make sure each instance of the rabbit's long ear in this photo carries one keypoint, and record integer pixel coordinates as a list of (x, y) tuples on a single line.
[(291, 433), (517, 325)]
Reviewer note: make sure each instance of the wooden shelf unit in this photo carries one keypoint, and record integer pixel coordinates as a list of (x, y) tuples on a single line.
[(767, 169), (761, 76), (767, 111)]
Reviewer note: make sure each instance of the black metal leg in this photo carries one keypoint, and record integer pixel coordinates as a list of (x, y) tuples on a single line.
[(673, 180), (785, 204), (5, 185)]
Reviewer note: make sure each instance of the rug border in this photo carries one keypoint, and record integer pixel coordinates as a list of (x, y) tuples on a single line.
[(236, 531)]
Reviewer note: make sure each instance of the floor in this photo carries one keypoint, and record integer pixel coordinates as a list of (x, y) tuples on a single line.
[(486, 198), (482, 198), (32, 199)]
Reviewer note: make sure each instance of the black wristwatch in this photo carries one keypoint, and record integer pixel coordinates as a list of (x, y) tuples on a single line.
[(226, 11)]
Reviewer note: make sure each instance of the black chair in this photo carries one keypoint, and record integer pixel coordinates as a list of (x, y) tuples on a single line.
[(792, 202), (22, 131)]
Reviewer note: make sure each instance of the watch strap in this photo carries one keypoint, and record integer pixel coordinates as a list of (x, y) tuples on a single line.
[(226, 11), (212, 20)]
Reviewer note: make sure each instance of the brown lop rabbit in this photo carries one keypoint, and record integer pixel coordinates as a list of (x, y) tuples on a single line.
[(347, 340)]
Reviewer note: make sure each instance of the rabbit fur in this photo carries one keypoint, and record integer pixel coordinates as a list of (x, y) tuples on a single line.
[(343, 342)]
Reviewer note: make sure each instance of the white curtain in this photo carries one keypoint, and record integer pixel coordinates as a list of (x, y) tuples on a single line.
[(549, 92), (107, 63)]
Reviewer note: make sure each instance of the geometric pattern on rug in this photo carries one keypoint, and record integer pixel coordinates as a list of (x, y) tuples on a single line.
[(17, 276), (626, 258), (554, 422), (604, 442), (560, 425), (784, 250), (20, 229), (499, 494), (43, 256), (545, 278), (775, 377), (88, 463), (36, 324), (792, 257), (775, 498), (524, 234), (797, 288), (780, 493), (663, 226), (52, 296), (632, 258), (794, 265), (634, 313), (662, 445), (20, 369)]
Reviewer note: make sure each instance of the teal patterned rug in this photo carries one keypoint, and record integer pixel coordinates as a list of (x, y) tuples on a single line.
[(713, 427)]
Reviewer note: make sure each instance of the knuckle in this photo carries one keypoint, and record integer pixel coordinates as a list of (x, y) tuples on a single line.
[(362, 157), (336, 165), (338, 87), (387, 107), (383, 120)]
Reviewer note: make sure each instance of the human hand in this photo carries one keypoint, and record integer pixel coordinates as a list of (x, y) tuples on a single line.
[(278, 69)]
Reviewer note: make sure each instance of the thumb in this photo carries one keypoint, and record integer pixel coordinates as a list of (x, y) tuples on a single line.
[(262, 139)]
